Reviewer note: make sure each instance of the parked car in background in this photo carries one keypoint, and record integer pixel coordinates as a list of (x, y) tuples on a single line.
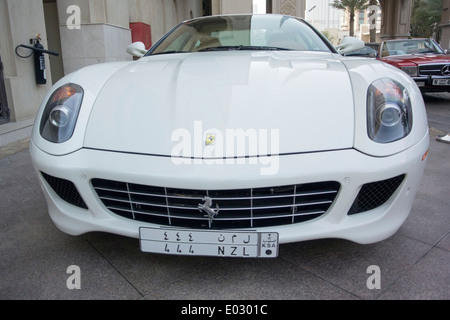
[(375, 46), (422, 59), (367, 52)]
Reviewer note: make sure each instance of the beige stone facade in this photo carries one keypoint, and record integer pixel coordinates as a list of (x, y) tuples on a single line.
[(20, 21), (83, 32), (396, 21), (289, 7), (231, 6), (445, 41)]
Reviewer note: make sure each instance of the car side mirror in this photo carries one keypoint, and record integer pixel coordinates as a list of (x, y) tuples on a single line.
[(350, 44), (446, 51), (137, 49)]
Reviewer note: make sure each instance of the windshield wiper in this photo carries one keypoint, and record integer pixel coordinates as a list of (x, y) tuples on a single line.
[(168, 52), (265, 48), (243, 48), (428, 51), (221, 48)]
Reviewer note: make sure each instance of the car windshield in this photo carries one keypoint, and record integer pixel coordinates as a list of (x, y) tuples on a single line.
[(241, 32), (422, 46), (365, 52)]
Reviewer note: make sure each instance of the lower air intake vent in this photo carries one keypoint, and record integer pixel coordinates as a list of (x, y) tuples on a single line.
[(66, 190), (374, 195)]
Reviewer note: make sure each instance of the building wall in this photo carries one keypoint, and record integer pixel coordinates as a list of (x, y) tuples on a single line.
[(445, 41), (105, 27), (20, 21), (396, 21), (231, 6), (53, 39), (322, 16), (295, 8), (163, 15), (103, 36)]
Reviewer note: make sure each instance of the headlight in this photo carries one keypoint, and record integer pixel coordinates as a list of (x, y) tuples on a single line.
[(61, 113), (389, 112), (411, 71)]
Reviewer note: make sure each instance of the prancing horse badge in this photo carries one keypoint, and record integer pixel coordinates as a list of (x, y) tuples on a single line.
[(210, 139)]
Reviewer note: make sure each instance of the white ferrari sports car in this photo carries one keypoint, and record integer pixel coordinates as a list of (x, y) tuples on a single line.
[(231, 136)]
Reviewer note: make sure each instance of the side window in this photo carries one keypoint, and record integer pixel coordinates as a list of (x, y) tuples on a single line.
[(385, 51)]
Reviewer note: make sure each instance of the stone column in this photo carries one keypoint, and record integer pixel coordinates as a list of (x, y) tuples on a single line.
[(20, 21), (289, 7), (396, 20), (445, 41), (102, 36), (231, 6)]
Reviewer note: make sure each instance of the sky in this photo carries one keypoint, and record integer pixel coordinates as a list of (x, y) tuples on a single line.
[(260, 5)]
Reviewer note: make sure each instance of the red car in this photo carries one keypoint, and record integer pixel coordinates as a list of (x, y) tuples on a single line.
[(423, 59)]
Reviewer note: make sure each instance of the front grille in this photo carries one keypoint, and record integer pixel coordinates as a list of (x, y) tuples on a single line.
[(374, 195), (66, 190), (236, 209), (433, 70)]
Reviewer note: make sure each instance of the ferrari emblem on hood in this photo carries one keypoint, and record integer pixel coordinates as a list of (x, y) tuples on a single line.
[(210, 139)]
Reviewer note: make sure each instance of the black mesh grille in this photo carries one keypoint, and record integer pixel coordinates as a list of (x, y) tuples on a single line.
[(66, 190), (243, 208), (434, 70), (374, 195)]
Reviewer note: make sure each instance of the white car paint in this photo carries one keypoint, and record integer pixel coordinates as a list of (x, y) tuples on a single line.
[(349, 167), (238, 90)]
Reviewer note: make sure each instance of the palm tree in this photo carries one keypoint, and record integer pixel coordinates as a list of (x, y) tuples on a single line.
[(352, 6), (373, 30)]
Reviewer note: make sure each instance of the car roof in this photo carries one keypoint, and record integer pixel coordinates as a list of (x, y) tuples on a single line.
[(241, 15)]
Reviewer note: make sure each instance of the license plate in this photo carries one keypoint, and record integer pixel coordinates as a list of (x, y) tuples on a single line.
[(441, 82), (209, 243)]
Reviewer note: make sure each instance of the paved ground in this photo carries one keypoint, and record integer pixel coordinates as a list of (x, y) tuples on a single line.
[(35, 256)]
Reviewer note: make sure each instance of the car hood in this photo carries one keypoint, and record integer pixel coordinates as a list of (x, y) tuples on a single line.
[(418, 59), (225, 104)]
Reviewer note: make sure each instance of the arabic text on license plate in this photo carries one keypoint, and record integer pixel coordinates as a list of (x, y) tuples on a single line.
[(209, 243), (441, 82)]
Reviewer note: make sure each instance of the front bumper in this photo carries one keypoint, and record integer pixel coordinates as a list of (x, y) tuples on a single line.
[(350, 168), (428, 84)]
